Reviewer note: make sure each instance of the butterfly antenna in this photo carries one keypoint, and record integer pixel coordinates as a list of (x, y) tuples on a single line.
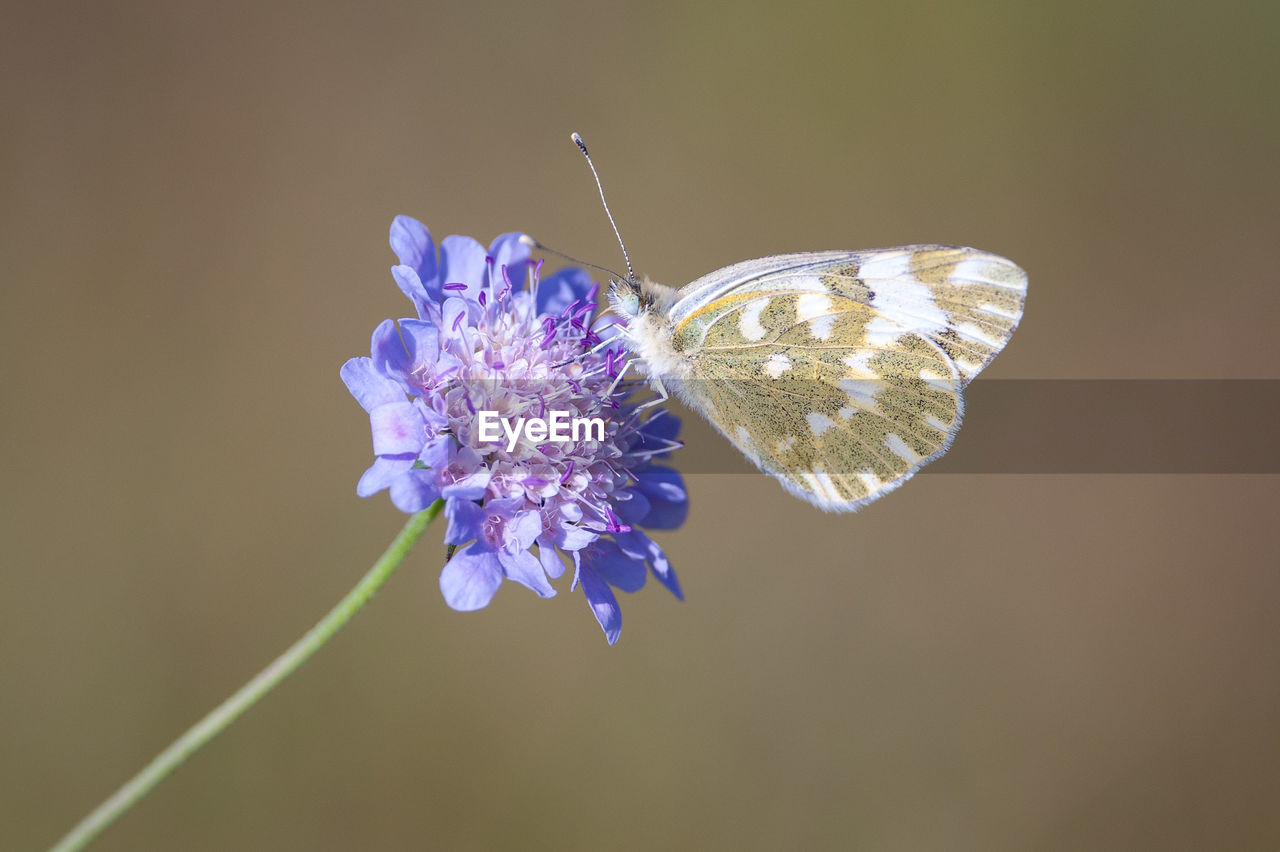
[(529, 241), (582, 146)]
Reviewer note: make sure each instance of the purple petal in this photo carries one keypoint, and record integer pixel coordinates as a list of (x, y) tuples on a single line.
[(613, 566), (664, 572), (668, 499), (414, 491), (551, 561), (465, 522), (433, 421), (381, 474), (633, 545), (604, 606), (637, 545), (437, 453), (508, 251), (573, 537), (459, 469), (422, 340), (661, 483), (505, 506), (397, 429), (412, 243), (453, 312), (523, 529), (470, 579), (469, 487), (462, 262), (370, 387), (425, 297), (388, 350), (523, 567), (657, 432), (561, 289), (634, 508)]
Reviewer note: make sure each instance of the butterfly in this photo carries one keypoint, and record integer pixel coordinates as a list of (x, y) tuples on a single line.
[(840, 373)]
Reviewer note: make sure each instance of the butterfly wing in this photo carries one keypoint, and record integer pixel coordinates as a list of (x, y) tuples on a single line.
[(841, 373)]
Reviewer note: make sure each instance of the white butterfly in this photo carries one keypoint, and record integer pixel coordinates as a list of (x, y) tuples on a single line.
[(841, 373)]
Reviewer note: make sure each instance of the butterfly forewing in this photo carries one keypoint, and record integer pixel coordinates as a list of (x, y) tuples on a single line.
[(968, 301), (841, 372)]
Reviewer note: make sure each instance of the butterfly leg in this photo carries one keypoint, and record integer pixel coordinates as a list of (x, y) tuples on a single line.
[(622, 371), (661, 390)]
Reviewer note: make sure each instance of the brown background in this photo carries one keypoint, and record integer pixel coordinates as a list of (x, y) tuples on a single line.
[(195, 206)]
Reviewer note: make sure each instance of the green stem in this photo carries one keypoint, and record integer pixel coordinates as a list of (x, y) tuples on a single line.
[(228, 711)]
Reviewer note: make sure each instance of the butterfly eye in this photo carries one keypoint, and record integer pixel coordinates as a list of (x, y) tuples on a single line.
[(624, 300)]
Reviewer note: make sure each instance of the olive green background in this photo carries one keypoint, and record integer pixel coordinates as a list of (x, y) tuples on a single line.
[(193, 227)]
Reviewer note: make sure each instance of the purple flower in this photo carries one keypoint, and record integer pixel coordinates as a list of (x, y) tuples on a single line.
[(487, 350)]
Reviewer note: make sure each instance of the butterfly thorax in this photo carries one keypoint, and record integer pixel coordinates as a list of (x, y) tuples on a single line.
[(643, 305)]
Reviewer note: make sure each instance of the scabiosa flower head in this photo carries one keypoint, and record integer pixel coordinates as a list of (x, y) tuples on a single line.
[(485, 344)]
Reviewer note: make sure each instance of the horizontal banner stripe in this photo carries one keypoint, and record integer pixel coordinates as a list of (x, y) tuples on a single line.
[(1080, 426)]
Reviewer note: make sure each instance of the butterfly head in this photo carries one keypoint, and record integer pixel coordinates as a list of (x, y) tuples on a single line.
[(627, 298)]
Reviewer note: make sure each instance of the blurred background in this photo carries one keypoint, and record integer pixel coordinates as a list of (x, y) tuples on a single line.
[(193, 224)]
